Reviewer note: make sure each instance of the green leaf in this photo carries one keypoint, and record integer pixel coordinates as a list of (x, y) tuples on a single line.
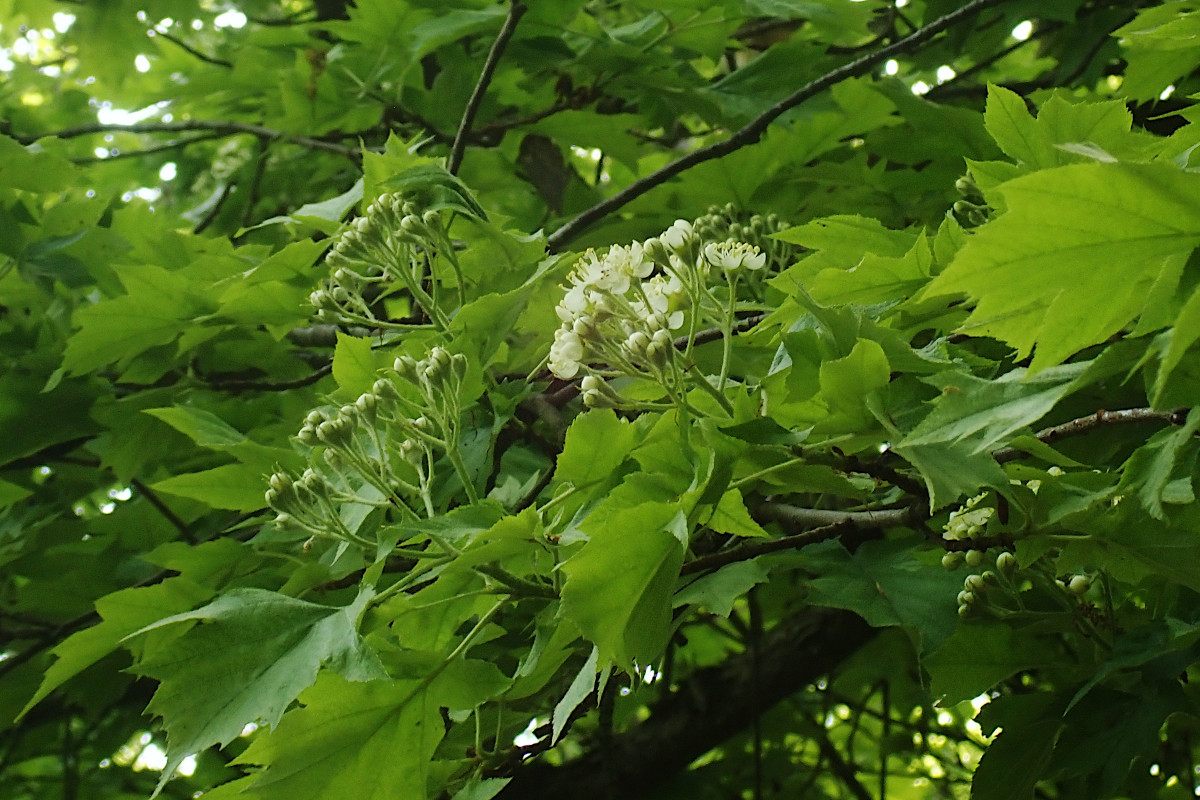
[(886, 584), (1151, 470), (581, 686), (1043, 272), (250, 657), (983, 414), (239, 487), (619, 586), (1015, 761), (875, 278), (435, 189), (202, 427), (354, 366), (719, 590), (351, 741), (846, 384), (952, 470), (326, 216), (122, 614), (597, 443), (33, 419), (978, 656), (1182, 336), (731, 516)]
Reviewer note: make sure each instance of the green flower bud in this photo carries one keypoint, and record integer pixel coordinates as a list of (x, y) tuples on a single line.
[(974, 558), (974, 583), (1079, 584), (952, 560), (1006, 563), (307, 435)]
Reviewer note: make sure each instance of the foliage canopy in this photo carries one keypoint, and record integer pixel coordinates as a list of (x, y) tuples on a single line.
[(768, 398)]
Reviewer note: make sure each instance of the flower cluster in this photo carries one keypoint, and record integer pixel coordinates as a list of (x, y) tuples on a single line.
[(392, 248), (378, 452), (631, 310), (617, 313)]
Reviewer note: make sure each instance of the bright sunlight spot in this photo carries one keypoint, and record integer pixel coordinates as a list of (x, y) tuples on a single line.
[(920, 87), (141, 63), (945, 73), (891, 67), (527, 737), (167, 172), (1167, 92), (230, 19), (1023, 31), (152, 757), (62, 21), (107, 115)]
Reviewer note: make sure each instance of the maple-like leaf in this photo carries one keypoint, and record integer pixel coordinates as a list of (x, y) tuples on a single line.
[(1072, 260), (252, 654)]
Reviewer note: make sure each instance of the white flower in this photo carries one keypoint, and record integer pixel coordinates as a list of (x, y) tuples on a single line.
[(665, 295), (678, 235), (732, 256), (566, 354)]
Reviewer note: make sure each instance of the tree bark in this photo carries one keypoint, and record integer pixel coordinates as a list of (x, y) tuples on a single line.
[(706, 709)]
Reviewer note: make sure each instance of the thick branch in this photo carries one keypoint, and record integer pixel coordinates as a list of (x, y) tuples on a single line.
[(754, 130), (705, 710), (515, 12)]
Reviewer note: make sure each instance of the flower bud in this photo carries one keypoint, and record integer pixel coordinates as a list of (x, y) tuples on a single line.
[(366, 405), (458, 366), (385, 390), (307, 435), (406, 367)]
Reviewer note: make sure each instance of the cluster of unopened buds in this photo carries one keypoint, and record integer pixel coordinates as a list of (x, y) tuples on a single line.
[(393, 247), (967, 524), (378, 451), (631, 311)]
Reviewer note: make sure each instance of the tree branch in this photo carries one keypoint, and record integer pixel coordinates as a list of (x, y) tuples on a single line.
[(271, 386), (148, 151), (1100, 419), (754, 130), (831, 525), (153, 499), (515, 12), (220, 62), (217, 126), (706, 709)]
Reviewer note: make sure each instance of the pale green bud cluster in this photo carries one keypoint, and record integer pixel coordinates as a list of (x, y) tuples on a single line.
[(393, 248), (972, 210), (380, 450)]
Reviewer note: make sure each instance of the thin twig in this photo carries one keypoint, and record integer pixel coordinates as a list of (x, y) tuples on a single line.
[(271, 386), (220, 62), (515, 12), (755, 129), (836, 523), (1101, 418), (153, 499), (149, 151), (218, 126)]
